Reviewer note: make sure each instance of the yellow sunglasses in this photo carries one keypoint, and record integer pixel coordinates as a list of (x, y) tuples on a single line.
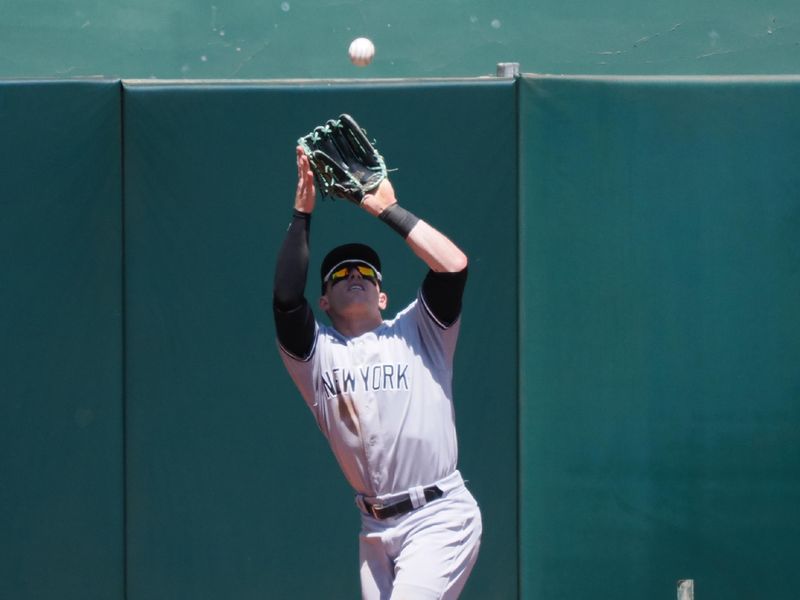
[(343, 272)]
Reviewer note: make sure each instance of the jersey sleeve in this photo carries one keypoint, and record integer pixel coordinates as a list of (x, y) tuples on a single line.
[(296, 330), (423, 331), (302, 373), (442, 295), (436, 314)]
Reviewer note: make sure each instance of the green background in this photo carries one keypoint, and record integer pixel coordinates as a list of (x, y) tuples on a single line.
[(660, 337), (627, 391), (61, 383), (245, 39)]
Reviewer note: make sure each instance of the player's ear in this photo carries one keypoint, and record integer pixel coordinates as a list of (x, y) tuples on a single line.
[(383, 300), (324, 304)]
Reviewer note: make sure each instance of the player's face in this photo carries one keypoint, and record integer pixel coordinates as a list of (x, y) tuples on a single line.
[(353, 289)]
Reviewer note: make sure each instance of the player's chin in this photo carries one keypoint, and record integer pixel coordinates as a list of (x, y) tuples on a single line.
[(358, 303), (349, 298)]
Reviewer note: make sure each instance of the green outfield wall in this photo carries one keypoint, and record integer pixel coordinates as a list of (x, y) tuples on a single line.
[(660, 337), (61, 380), (626, 387)]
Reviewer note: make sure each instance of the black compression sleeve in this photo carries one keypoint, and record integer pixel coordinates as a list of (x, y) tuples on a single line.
[(294, 320), (292, 267), (442, 293)]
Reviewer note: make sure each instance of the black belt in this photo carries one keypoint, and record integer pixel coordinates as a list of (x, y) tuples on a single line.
[(401, 507)]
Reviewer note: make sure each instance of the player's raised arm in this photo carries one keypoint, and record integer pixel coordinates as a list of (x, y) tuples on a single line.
[(427, 242), (443, 288), (294, 320)]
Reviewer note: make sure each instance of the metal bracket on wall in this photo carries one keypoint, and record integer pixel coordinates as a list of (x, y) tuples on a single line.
[(508, 69)]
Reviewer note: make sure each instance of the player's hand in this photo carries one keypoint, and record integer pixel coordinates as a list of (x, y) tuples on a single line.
[(383, 197), (306, 193)]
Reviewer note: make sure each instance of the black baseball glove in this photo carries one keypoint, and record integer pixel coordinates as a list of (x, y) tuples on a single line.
[(345, 163)]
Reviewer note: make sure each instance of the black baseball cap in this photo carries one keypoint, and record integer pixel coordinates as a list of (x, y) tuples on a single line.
[(346, 253)]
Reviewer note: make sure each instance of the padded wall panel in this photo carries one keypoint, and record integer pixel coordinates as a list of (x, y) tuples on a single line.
[(660, 338), (232, 489), (61, 481)]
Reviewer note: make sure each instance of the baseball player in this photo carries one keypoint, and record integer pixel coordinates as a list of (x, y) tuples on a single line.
[(381, 392)]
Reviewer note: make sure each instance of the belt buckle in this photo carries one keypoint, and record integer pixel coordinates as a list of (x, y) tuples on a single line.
[(373, 509)]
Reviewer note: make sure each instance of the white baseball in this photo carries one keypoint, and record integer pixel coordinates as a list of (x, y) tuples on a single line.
[(361, 52)]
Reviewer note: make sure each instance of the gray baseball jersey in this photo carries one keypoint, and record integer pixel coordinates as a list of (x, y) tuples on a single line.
[(383, 399)]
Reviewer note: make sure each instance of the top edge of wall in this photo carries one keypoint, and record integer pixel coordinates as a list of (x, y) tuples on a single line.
[(293, 82), (792, 78)]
